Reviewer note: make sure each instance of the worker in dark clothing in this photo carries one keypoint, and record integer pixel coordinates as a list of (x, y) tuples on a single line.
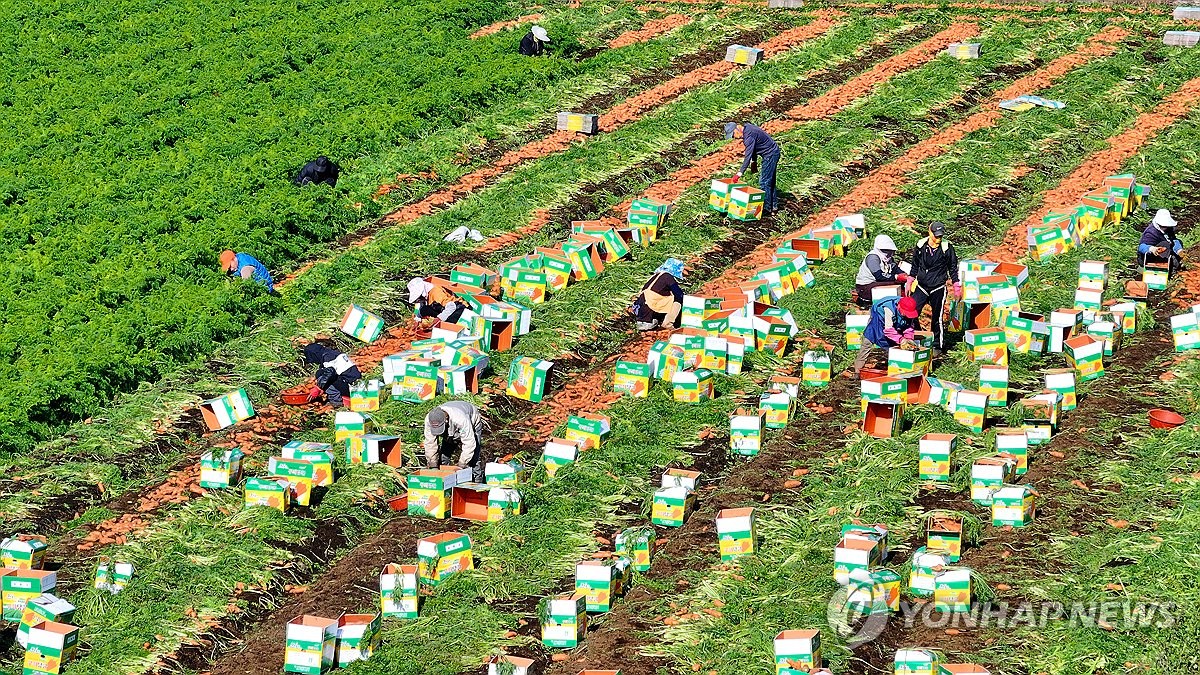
[(934, 263), (535, 41), (1159, 245), (893, 323), (758, 146), (335, 373), (661, 299), (318, 171)]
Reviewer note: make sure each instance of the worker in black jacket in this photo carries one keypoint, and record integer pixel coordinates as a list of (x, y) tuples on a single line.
[(534, 42), (934, 263), (318, 171)]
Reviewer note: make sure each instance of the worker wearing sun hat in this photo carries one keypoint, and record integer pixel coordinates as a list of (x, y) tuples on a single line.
[(431, 301), (934, 264), (534, 42), (455, 426), (661, 299), (246, 267), (1159, 245), (757, 145), (893, 323)]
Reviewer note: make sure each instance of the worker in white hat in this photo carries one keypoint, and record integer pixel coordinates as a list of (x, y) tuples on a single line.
[(1159, 245), (430, 301), (455, 426), (535, 41), (880, 267)]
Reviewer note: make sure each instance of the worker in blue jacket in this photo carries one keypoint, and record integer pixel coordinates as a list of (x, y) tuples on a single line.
[(247, 267), (759, 146), (1159, 245)]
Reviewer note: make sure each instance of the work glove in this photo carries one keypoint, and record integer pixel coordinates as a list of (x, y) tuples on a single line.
[(1160, 250), (902, 278), (315, 392), (737, 177), (958, 290), (910, 334)]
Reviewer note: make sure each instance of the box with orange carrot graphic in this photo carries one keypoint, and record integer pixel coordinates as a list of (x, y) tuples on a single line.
[(298, 473), (632, 378), (275, 493)]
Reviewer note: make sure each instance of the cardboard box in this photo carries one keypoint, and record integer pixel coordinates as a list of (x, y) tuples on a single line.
[(590, 428), (364, 396), (1093, 275), (442, 556), (632, 378), (225, 411), (746, 430), (902, 361), (45, 607), (1086, 355), (458, 380), (964, 669), (399, 591), (746, 203), (471, 274), (485, 503), (23, 552), (299, 475), (672, 506), (1125, 313), (716, 354), (420, 381), (359, 323), (1014, 442), (993, 381), (1020, 329), (916, 661), (565, 621), (1156, 277), (219, 469), (675, 477), (1185, 331), (584, 252), (357, 638), (693, 386), (873, 592), (275, 493), (719, 192), (350, 426), (854, 554), (740, 54), (877, 533), (692, 342), (559, 452), (789, 385), (925, 565), (797, 652), (970, 409), (883, 388), (636, 544), (1088, 300), (736, 533), (601, 582), (1013, 505), (952, 590), (311, 645), (1041, 416), (935, 391), (430, 491), (883, 418), (529, 379), (988, 474), (817, 369), (507, 664), (577, 122), (776, 407), (987, 345), (51, 646), (112, 576), (944, 532), (1062, 380), (665, 359), (936, 455), (508, 474)]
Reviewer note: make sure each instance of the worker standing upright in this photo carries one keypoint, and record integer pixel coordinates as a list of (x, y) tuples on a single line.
[(1159, 245), (247, 267), (758, 146), (880, 267), (935, 263)]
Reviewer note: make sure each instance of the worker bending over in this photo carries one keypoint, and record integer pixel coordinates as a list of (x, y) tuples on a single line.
[(335, 373), (433, 302), (879, 268), (455, 427), (1159, 245), (758, 146), (535, 41), (247, 267), (661, 299), (935, 263), (893, 323)]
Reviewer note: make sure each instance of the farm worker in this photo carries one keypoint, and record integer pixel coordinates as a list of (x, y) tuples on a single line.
[(335, 373), (247, 267), (893, 323), (1159, 245), (318, 171), (433, 302), (661, 299), (879, 268), (758, 144), (934, 263), (454, 425), (534, 42)]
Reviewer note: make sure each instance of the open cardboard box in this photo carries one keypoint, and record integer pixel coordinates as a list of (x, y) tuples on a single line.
[(883, 418)]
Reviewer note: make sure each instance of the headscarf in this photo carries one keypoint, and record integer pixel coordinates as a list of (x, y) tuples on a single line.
[(673, 267), (418, 288)]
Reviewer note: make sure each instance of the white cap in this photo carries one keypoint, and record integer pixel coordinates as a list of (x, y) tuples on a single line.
[(884, 243), (417, 288), (1163, 219), (540, 34)]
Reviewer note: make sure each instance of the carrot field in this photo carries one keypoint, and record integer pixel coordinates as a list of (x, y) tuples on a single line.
[(145, 136)]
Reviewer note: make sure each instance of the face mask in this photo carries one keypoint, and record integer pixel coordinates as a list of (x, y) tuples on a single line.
[(934, 240)]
